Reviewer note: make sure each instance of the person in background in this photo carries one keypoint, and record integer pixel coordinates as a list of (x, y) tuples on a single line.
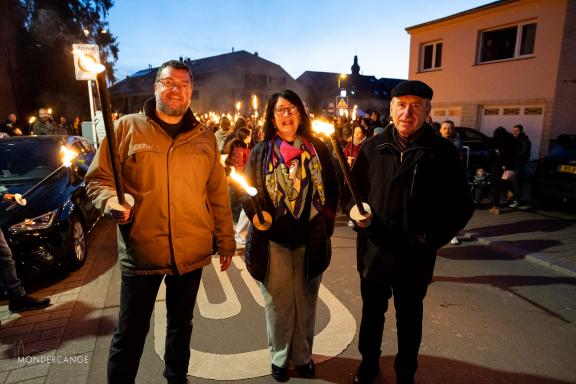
[(294, 176), (63, 127), (12, 126), (180, 208), (18, 300), (481, 184), (415, 185), (501, 157), (447, 131), (223, 132), (77, 126), (44, 125), (353, 146), (239, 151), (523, 148)]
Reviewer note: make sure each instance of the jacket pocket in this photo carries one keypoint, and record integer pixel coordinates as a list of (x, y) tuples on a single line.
[(143, 169)]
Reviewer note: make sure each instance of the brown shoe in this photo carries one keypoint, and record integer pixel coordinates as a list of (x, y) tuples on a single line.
[(494, 210)]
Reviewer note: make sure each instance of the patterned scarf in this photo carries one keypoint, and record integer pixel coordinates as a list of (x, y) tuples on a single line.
[(290, 170)]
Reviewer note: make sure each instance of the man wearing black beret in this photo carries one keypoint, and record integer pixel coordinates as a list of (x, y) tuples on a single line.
[(413, 181)]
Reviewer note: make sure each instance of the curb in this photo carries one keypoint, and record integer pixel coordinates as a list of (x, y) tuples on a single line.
[(540, 258)]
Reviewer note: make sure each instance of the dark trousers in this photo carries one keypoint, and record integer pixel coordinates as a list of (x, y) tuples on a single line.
[(137, 298), (408, 301)]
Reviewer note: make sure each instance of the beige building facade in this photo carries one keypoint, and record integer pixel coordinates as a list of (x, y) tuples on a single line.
[(505, 63)]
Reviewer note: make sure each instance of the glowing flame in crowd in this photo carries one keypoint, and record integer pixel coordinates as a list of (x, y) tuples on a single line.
[(67, 155), (322, 127), (242, 181), (255, 102)]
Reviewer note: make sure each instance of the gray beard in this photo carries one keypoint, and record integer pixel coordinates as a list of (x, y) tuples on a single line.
[(171, 111)]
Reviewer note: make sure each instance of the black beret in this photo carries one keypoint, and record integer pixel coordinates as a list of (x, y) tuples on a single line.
[(414, 88)]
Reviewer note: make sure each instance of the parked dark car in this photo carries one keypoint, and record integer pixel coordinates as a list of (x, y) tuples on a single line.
[(47, 234), (479, 145), (555, 178)]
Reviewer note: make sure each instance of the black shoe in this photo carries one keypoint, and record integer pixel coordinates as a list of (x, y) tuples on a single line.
[(307, 370), (279, 374), (27, 303), (366, 373)]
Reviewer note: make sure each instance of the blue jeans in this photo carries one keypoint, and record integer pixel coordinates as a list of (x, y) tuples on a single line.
[(8, 277), (137, 298)]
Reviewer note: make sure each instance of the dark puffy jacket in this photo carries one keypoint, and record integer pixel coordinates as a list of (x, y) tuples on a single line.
[(318, 248), (419, 201)]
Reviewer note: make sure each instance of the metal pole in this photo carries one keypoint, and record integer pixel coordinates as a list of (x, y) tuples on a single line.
[(92, 114)]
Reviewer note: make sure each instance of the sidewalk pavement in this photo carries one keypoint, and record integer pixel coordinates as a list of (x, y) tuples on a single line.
[(65, 333), (546, 238)]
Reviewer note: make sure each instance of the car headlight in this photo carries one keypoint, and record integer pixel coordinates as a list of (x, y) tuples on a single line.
[(40, 222)]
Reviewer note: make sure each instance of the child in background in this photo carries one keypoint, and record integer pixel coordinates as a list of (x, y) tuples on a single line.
[(481, 185)]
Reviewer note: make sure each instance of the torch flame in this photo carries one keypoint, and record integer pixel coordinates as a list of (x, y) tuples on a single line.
[(322, 127), (242, 181), (255, 102), (238, 105), (67, 155), (32, 119)]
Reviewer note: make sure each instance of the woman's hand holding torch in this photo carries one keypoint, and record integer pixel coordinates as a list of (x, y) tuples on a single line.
[(262, 219)]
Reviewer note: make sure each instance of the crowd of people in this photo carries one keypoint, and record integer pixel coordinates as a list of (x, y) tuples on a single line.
[(43, 124), (169, 225)]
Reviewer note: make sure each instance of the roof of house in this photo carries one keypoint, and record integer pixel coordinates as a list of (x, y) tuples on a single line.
[(464, 13), (143, 80)]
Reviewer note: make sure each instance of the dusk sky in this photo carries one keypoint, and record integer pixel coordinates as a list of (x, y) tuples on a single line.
[(299, 35)]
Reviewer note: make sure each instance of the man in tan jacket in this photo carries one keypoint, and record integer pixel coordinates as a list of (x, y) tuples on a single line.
[(171, 170)]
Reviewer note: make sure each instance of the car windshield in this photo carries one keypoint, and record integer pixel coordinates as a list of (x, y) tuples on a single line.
[(25, 161)]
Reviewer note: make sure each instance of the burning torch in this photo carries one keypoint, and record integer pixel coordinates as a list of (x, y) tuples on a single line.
[(67, 156), (90, 65), (262, 219), (360, 210)]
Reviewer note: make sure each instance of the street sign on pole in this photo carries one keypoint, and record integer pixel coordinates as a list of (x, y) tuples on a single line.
[(342, 102), (89, 52)]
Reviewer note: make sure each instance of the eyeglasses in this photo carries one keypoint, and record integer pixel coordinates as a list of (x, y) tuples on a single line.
[(170, 84), (281, 111)]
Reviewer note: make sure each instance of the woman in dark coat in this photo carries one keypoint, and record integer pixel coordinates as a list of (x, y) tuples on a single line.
[(294, 176)]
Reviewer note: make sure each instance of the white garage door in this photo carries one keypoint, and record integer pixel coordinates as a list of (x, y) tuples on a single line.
[(450, 113), (530, 116)]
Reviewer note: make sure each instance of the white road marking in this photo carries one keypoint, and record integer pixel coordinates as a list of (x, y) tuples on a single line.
[(328, 343)]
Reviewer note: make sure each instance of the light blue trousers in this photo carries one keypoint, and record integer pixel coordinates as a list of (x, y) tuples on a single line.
[(290, 302)]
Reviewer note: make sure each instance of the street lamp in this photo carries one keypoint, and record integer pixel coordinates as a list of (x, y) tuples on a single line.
[(342, 76)]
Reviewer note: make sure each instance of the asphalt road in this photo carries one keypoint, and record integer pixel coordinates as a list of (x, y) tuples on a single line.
[(489, 318)]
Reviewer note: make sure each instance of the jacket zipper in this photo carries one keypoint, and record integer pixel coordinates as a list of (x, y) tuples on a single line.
[(413, 179)]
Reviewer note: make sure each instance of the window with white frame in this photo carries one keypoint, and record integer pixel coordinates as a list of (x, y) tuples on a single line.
[(507, 43), (431, 56)]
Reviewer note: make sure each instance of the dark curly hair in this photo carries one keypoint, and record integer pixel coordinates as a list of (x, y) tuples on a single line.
[(305, 127)]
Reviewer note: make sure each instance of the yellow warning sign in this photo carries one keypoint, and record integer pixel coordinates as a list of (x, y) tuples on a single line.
[(342, 103)]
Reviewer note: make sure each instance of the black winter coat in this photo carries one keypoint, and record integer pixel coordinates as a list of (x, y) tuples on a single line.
[(318, 247), (419, 201)]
